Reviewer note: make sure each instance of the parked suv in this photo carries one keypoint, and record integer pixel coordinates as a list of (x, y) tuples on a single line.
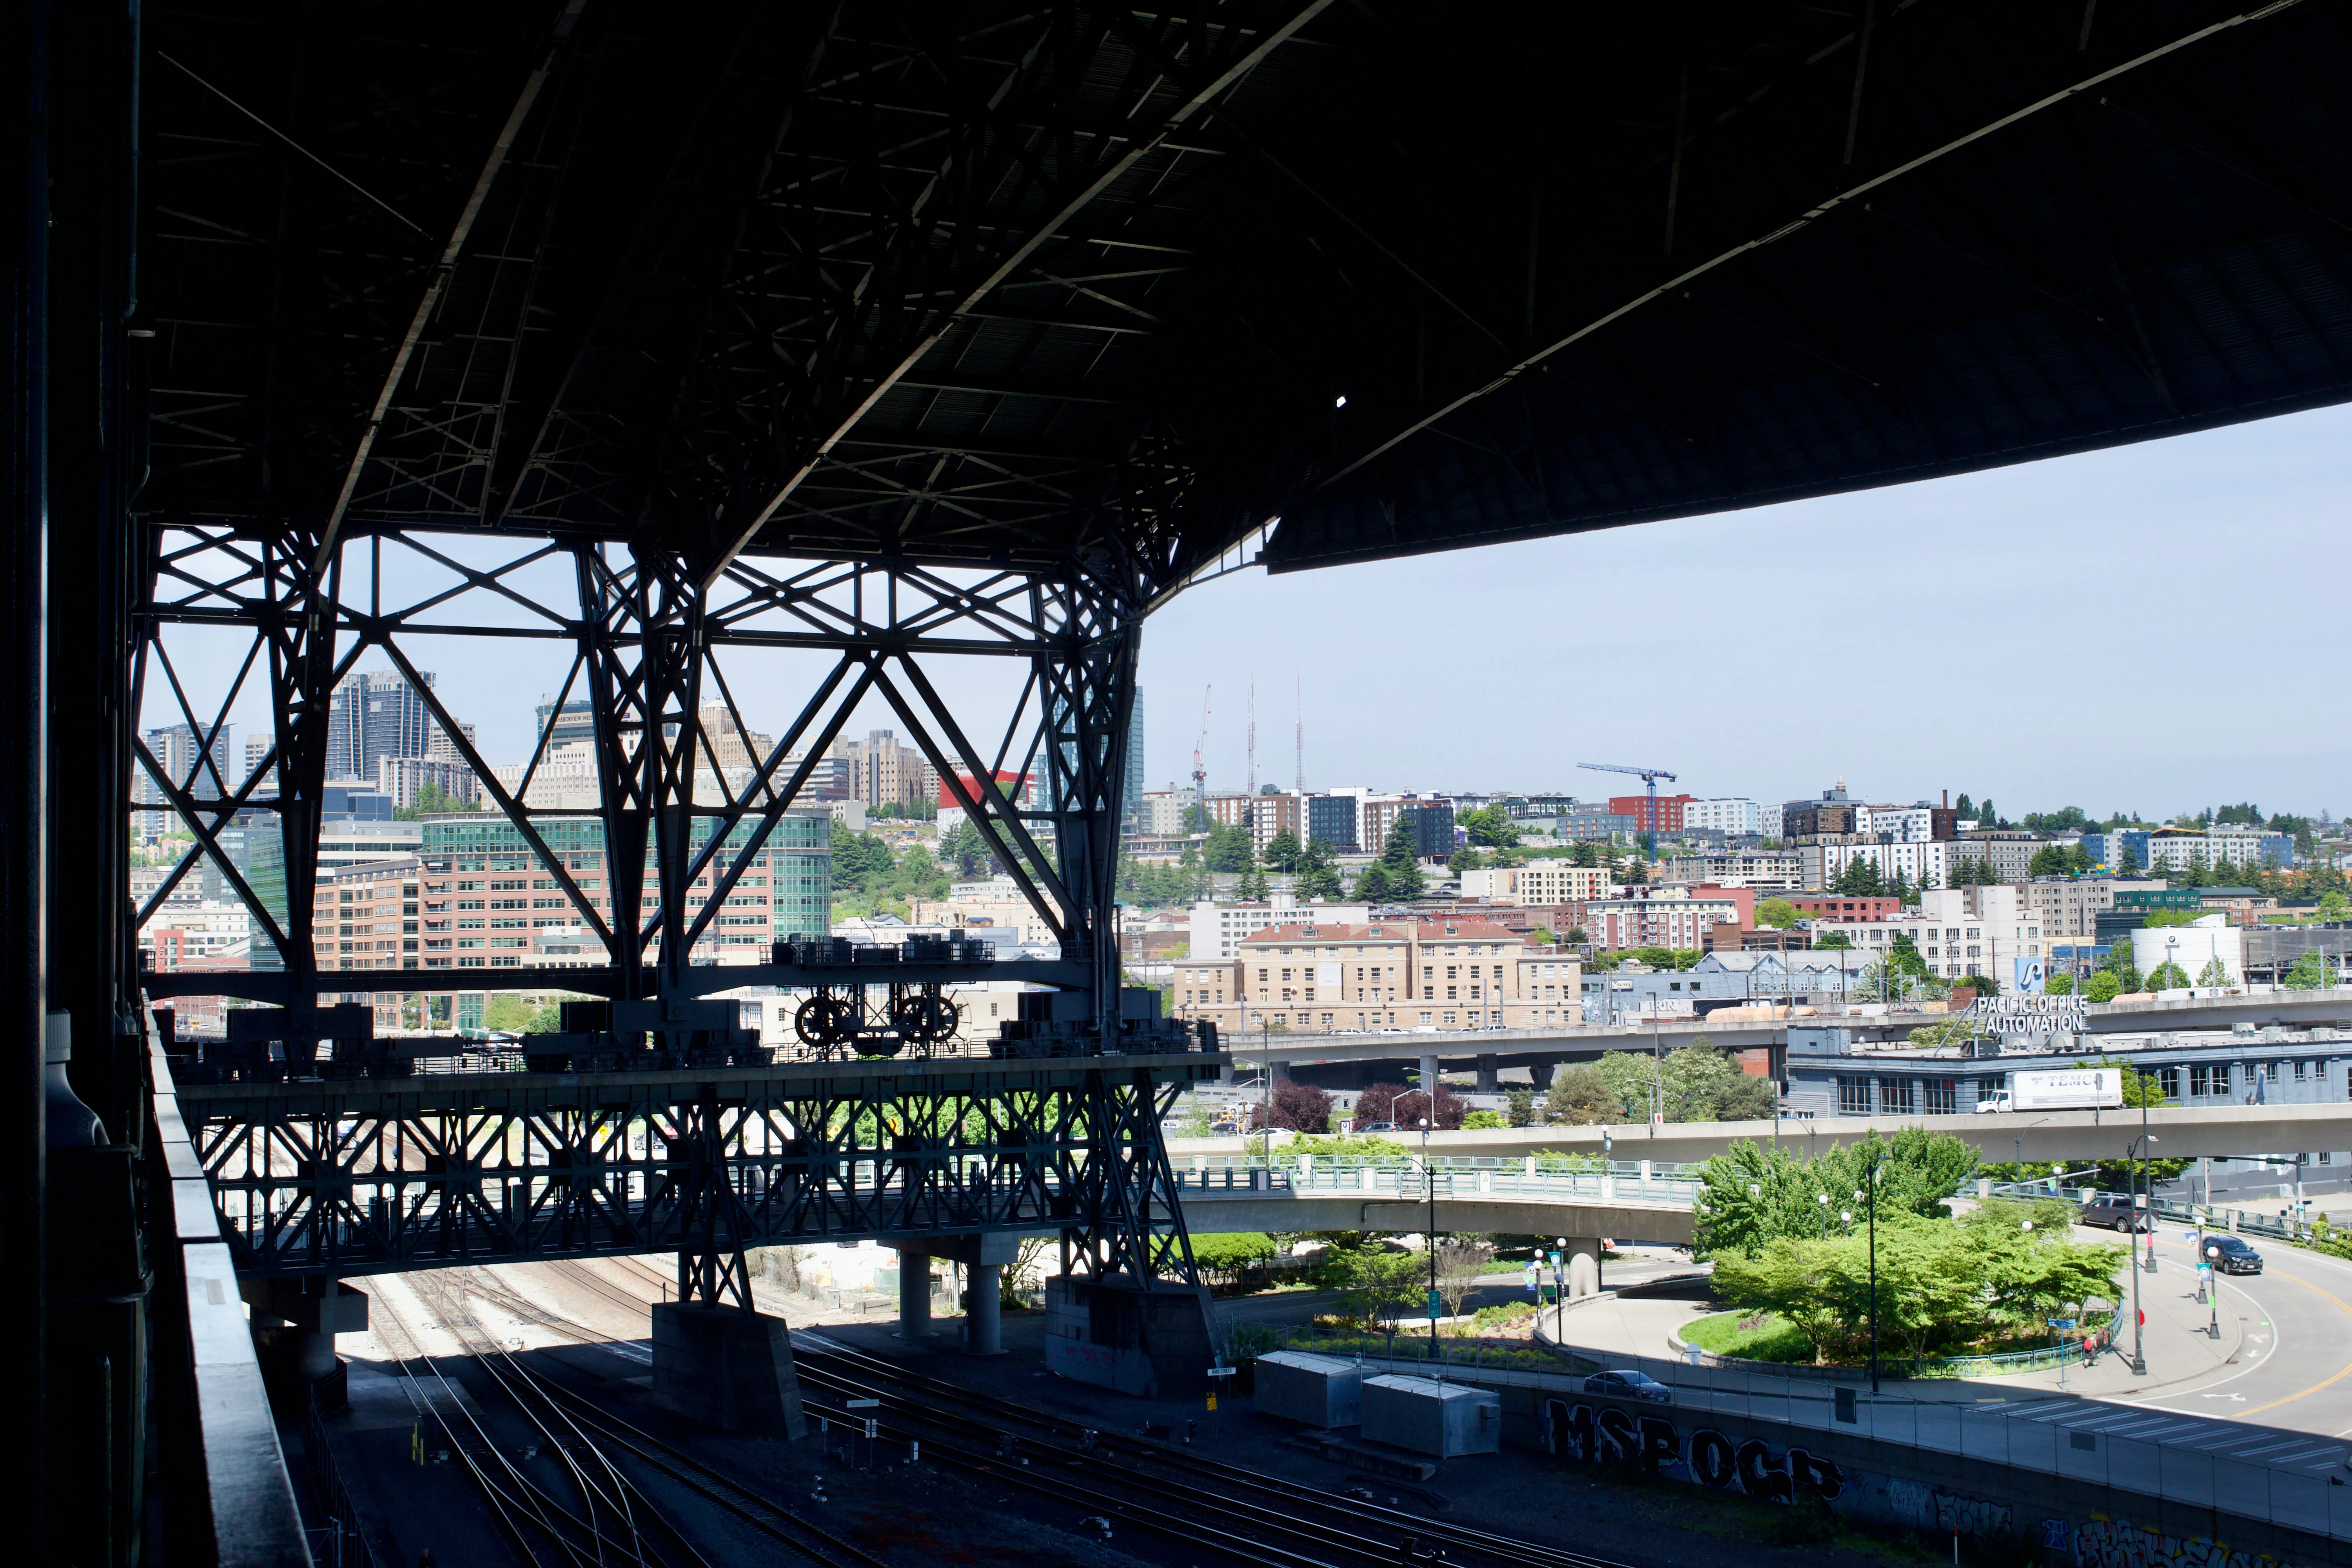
[(2236, 1256), (2116, 1213)]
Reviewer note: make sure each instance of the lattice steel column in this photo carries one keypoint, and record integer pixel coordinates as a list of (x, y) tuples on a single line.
[(1089, 681), (643, 634)]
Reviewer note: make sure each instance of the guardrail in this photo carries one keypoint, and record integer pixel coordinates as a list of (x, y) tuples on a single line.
[(2236, 1222), (1620, 1181)]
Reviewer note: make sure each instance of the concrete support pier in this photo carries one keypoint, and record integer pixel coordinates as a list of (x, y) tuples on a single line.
[(914, 1294), (983, 1332), (727, 1368), (1490, 1074), (1583, 1265), (296, 1322), (1154, 1344)]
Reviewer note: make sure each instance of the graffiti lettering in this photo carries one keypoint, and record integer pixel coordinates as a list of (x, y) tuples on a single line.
[(1925, 1508), (1711, 1459), (2119, 1543), (1583, 1435), (1617, 1440), (1758, 1475)]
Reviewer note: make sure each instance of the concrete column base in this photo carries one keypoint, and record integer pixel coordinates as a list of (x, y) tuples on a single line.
[(1540, 1076), (1490, 1074), (727, 1368), (1155, 1344)]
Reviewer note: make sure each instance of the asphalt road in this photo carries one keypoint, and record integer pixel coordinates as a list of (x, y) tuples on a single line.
[(2295, 1369)]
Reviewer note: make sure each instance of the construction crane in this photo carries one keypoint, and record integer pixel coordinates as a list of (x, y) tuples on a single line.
[(1200, 769), (1649, 776)]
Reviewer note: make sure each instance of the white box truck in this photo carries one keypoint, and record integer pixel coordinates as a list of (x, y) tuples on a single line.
[(2070, 1088)]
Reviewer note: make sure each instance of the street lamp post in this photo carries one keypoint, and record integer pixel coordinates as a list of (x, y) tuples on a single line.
[(1429, 1174), (2139, 1146), (1870, 1182)]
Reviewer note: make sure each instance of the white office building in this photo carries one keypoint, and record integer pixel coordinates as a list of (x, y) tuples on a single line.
[(1958, 931), (1218, 928), (1905, 823), (1733, 814), (2192, 947)]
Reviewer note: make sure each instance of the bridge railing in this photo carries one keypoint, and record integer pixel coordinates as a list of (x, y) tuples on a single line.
[(1449, 1179)]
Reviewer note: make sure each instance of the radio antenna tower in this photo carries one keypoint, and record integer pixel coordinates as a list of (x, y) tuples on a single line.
[(1253, 737), (1200, 769), (1297, 693)]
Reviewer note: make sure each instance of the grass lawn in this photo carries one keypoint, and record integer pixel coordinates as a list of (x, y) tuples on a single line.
[(1772, 1340)]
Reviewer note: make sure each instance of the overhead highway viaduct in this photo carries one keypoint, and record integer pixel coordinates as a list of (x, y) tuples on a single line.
[(2238, 1131), (1350, 1061)]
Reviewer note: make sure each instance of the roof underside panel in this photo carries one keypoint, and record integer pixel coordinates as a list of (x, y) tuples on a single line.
[(970, 282)]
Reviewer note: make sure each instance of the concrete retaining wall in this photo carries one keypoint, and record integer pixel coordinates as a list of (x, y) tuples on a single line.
[(2112, 1502)]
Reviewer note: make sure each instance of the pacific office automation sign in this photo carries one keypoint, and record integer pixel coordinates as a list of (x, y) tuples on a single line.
[(2028, 1015)]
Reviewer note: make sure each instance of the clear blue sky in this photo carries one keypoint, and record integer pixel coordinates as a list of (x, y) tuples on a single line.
[(2154, 627)]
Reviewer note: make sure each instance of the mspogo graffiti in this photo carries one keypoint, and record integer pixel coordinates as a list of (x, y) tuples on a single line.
[(1586, 1434)]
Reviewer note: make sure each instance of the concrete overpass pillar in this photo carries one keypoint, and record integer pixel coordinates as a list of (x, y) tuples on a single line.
[(1429, 1074), (1583, 1265), (983, 1323), (1540, 1075), (1490, 1069), (914, 1295), (1279, 1070)]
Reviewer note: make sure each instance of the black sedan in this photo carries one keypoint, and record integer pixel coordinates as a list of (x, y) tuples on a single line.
[(1630, 1385)]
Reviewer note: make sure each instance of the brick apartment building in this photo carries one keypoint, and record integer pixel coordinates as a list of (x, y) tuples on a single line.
[(1661, 816), (1384, 974)]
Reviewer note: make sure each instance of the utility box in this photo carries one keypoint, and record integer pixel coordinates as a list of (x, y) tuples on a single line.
[(1318, 1391), (1425, 1416)]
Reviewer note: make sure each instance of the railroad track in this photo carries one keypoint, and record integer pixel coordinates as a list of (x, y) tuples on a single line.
[(1258, 1518), (539, 1526), (550, 1405)]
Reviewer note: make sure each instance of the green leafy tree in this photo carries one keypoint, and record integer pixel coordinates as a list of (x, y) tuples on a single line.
[(1581, 1096), (964, 849), (2167, 976), (1834, 942), (1281, 852), (1316, 877), (1520, 1107), (432, 800), (2335, 906), (1227, 850), (1375, 1281), (2103, 986), (2058, 985), (506, 1014), (2215, 973), (2312, 972), (1399, 860), (1464, 859), (1372, 885), (1252, 888), (1225, 1255), (1489, 827), (1860, 878), (1775, 914)]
